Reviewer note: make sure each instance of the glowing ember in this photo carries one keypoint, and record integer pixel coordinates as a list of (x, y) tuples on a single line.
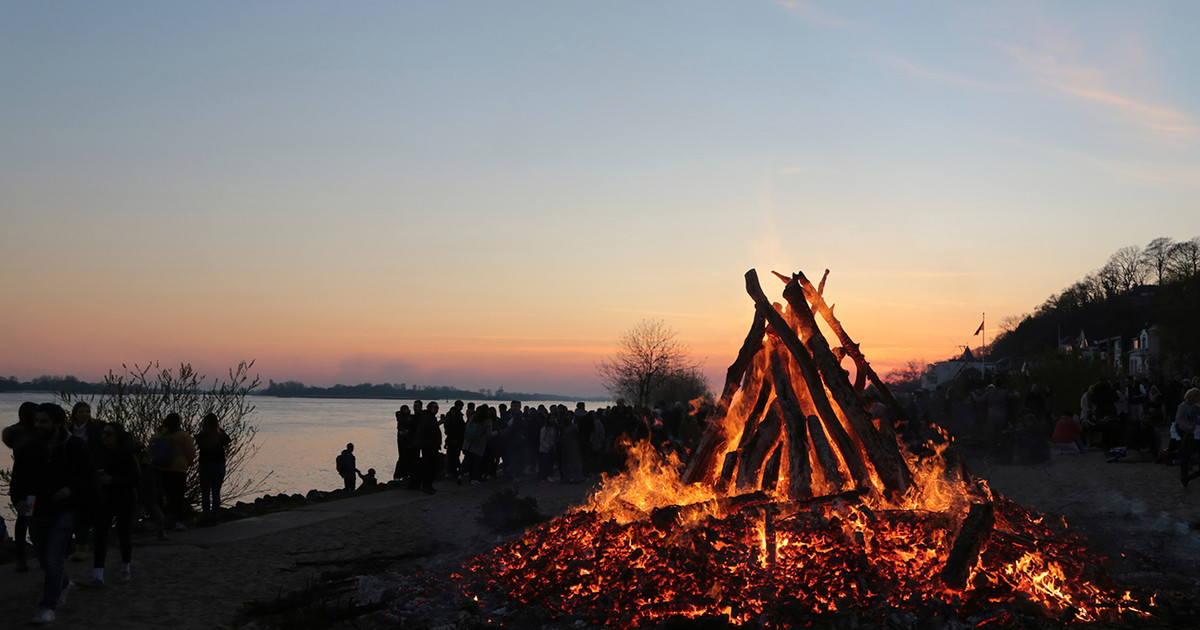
[(799, 503)]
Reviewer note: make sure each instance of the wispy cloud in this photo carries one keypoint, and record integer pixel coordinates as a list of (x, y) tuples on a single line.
[(1099, 87), (814, 13), (912, 68), (1165, 172)]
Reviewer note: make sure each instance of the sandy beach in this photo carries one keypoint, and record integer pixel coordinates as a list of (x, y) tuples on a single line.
[(1136, 514)]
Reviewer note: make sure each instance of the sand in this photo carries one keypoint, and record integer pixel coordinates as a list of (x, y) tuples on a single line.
[(1137, 514)]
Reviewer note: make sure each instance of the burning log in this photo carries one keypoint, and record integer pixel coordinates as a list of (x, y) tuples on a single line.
[(799, 468), (771, 470), (808, 369), (750, 348), (816, 297), (976, 528), (824, 453), (885, 456), (702, 467), (754, 455)]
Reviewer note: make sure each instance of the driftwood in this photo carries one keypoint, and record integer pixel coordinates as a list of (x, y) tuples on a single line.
[(885, 456), (976, 528), (824, 453), (728, 469), (750, 347), (850, 452), (808, 369), (670, 515), (799, 468), (771, 469), (703, 466), (863, 369), (760, 446)]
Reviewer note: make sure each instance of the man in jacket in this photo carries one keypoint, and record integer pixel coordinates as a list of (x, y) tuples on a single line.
[(53, 473)]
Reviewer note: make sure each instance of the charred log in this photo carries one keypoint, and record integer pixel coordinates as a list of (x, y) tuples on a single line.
[(750, 347), (885, 456), (799, 468), (825, 456), (976, 528)]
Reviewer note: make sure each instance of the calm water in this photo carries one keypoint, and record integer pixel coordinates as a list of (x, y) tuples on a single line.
[(299, 438)]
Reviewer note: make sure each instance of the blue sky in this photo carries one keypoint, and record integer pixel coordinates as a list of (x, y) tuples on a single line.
[(486, 194)]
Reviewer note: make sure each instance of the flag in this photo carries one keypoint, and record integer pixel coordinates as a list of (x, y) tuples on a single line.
[(980, 329)]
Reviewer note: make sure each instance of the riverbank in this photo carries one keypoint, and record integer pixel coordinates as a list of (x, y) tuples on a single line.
[(385, 551)]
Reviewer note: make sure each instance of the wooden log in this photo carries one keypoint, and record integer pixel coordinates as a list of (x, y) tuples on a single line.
[(715, 441), (737, 370), (728, 468), (667, 516), (799, 468), (756, 414), (884, 456), (755, 453), (824, 453), (808, 368), (815, 297), (975, 530), (833, 428), (771, 469)]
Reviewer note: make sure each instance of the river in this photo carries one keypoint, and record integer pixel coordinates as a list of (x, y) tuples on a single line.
[(298, 438)]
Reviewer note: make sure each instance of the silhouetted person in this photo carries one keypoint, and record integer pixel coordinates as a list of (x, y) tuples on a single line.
[(347, 467), (15, 437), (118, 474), (213, 443), (173, 452), (456, 427), (405, 433), (50, 473), (429, 441)]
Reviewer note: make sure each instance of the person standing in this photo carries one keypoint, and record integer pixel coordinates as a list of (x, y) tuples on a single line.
[(173, 452), (118, 473), (429, 441), (87, 428), (1187, 419), (475, 439), (347, 467), (456, 427), (404, 441), (213, 443), (15, 437), (50, 473)]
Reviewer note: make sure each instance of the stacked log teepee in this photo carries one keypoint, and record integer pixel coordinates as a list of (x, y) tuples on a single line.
[(801, 412)]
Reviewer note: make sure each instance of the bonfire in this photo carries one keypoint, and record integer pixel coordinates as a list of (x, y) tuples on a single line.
[(801, 503)]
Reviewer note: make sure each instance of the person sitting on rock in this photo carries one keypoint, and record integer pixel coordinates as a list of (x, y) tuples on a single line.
[(369, 482)]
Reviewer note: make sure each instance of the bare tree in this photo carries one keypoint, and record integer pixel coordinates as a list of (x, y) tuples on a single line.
[(140, 397), (1157, 257), (1185, 259), (649, 357), (1125, 268)]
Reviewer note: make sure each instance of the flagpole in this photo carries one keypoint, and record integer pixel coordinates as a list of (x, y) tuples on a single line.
[(983, 348)]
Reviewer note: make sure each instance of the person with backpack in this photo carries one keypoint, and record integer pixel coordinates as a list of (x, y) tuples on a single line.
[(347, 467), (172, 452)]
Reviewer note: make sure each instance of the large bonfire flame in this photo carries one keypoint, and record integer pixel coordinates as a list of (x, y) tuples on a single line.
[(798, 503)]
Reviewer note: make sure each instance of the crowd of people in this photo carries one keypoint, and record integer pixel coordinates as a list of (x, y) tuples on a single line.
[(472, 443), (1129, 420), (76, 479)]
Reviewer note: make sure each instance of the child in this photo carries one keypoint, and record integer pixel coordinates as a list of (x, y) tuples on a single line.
[(368, 480)]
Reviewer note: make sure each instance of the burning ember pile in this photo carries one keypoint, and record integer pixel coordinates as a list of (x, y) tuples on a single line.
[(798, 504)]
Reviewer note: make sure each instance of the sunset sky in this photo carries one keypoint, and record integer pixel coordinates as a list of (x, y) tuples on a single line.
[(486, 194)]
